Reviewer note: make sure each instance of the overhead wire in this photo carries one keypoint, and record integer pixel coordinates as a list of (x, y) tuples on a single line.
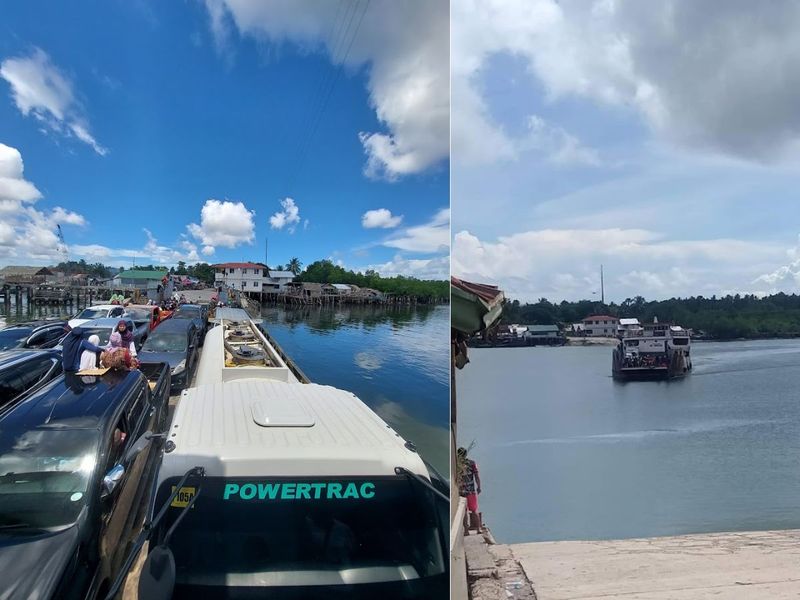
[(344, 42)]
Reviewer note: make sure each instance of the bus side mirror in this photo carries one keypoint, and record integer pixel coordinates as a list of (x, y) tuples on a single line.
[(157, 579)]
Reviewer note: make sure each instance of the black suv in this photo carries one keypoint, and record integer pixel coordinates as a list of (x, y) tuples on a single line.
[(77, 461), (22, 372), (34, 334)]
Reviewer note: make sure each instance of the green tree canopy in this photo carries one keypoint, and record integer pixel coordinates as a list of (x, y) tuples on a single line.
[(729, 317), (325, 271)]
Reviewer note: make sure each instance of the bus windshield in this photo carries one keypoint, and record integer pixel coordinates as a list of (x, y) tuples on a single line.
[(380, 537)]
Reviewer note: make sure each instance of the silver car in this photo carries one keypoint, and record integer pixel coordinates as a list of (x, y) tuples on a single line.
[(103, 328)]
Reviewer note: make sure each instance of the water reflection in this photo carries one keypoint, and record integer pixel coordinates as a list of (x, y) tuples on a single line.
[(368, 362), (326, 318), (11, 313), (394, 358)]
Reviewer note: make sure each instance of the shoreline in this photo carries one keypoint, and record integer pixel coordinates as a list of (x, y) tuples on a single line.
[(578, 342), (747, 564), (737, 565)]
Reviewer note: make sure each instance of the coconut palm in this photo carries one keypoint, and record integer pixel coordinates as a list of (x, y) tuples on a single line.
[(295, 266)]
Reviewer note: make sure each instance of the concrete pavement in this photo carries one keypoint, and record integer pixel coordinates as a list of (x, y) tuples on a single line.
[(746, 565)]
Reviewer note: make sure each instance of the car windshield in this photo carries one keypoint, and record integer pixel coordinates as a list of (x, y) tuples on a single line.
[(44, 477), (92, 313), (13, 337), (379, 535), (187, 312), (165, 342), (104, 333), (139, 315)]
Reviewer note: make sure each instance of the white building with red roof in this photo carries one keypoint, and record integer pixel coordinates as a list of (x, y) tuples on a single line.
[(600, 325)]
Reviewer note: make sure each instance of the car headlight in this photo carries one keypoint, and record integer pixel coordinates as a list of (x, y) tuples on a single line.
[(179, 368)]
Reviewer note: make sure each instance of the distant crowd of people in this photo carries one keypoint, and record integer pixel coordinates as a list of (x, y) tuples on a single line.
[(646, 360)]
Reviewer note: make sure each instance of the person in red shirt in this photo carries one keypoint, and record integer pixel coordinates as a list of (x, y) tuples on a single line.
[(469, 486)]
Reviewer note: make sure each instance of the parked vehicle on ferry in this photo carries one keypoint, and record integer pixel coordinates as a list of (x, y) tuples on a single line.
[(98, 311), (77, 460), (33, 334), (144, 313), (197, 313), (25, 372), (103, 328), (175, 342)]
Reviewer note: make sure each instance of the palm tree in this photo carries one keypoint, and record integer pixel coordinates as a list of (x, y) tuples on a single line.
[(295, 266)]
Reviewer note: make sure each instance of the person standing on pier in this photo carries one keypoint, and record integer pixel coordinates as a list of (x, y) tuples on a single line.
[(469, 487)]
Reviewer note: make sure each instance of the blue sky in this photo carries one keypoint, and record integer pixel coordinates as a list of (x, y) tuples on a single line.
[(660, 141), (181, 130)]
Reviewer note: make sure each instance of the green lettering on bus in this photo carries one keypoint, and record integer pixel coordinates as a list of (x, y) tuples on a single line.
[(299, 491), (268, 490), (303, 491), (365, 493), (318, 487), (334, 490), (351, 491)]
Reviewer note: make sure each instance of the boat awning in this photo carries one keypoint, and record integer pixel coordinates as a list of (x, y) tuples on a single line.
[(475, 306)]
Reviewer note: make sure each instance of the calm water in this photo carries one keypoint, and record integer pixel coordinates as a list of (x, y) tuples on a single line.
[(17, 313), (395, 359), (565, 452)]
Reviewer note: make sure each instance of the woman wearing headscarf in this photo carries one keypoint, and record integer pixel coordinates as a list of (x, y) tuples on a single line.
[(72, 347), (89, 358), (126, 336)]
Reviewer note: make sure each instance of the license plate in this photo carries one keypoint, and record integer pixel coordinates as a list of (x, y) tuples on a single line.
[(184, 496)]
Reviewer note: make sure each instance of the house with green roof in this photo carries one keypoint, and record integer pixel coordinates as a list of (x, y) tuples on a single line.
[(148, 281)]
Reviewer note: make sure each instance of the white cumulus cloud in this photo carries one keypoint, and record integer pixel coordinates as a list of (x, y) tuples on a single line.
[(14, 189), (224, 223), (380, 217), (288, 216), (565, 263), (422, 268), (405, 47), (433, 236), (787, 276), (25, 231), (41, 90), (722, 77)]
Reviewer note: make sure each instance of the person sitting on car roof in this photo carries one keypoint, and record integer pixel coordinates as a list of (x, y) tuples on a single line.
[(72, 346), (89, 359)]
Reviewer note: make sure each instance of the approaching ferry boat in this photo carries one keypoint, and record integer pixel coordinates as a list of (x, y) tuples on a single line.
[(652, 351), (272, 487)]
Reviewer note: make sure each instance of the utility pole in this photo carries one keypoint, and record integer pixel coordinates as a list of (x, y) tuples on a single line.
[(266, 247), (602, 288)]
